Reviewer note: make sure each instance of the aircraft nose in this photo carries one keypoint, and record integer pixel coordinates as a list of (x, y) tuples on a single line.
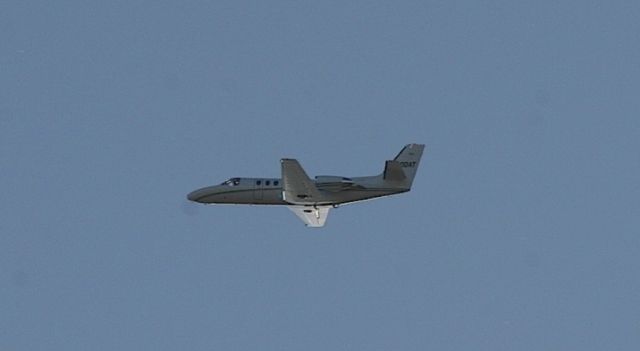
[(203, 195), (192, 196), (197, 195)]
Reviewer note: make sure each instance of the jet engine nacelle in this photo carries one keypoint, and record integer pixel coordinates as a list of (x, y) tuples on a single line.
[(333, 179)]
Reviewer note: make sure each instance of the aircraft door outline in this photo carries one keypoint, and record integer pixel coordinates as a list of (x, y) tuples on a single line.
[(258, 189)]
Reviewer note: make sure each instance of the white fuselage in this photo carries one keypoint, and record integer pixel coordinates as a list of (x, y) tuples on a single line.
[(268, 191)]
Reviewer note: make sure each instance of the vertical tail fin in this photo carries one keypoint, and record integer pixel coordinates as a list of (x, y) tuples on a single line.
[(408, 160)]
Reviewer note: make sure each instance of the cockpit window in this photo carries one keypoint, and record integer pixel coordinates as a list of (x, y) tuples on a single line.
[(232, 182)]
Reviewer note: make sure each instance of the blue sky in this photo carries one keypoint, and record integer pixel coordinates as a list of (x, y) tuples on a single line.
[(521, 231)]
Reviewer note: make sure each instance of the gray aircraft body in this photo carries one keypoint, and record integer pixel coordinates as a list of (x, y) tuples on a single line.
[(311, 199)]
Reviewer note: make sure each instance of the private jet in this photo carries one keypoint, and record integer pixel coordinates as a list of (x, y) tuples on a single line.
[(311, 199)]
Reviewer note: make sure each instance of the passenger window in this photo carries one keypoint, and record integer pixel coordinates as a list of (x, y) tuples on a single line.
[(258, 182), (267, 183), (275, 182)]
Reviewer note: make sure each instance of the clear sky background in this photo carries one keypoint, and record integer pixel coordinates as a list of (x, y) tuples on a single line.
[(522, 231)]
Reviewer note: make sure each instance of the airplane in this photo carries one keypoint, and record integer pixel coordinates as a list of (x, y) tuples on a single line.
[(311, 199)]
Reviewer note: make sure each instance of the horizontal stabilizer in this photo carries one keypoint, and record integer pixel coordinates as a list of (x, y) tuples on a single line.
[(297, 188)]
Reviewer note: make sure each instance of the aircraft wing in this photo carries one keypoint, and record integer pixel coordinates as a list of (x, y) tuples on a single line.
[(297, 188), (312, 217)]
